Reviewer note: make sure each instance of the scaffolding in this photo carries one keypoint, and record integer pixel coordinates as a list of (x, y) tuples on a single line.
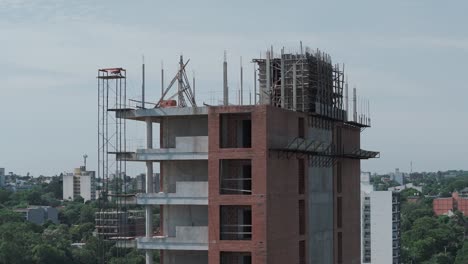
[(184, 93), (112, 96), (309, 82), (113, 224)]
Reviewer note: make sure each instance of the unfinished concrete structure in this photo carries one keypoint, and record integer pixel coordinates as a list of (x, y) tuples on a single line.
[(277, 181), (118, 224)]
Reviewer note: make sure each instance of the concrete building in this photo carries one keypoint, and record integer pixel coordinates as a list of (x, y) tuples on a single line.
[(380, 218), (140, 182), (272, 182), (79, 183), (398, 176), (2, 177), (39, 214), (447, 205), (404, 187)]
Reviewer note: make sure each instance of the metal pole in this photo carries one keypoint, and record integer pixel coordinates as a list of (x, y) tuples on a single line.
[(255, 85), (180, 83), (283, 96), (241, 83), (143, 84), (294, 87), (225, 82), (149, 189), (193, 84), (354, 105), (347, 99), (263, 94), (162, 79)]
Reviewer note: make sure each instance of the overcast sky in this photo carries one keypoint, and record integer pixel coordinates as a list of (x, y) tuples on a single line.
[(409, 58)]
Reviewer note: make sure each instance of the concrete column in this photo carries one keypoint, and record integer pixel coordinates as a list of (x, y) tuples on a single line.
[(295, 88), (225, 82), (283, 79), (149, 189), (265, 94)]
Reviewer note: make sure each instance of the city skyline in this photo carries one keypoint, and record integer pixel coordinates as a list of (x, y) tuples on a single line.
[(399, 63)]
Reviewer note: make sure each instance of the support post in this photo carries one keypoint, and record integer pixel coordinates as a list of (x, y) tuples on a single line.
[(283, 72), (354, 105), (143, 85), (255, 85), (193, 84), (264, 94), (225, 82), (162, 79), (149, 189), (347, 99), (241, 83), (294, 86)]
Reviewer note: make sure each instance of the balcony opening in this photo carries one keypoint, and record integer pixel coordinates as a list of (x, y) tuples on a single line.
[(235, 177), (236, 258), (235, 222), (235, 130), (300, 127), (301, 172)]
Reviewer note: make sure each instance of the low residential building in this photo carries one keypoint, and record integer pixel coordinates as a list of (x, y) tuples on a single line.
[(39, 214), (447, 205), (404, 187), (79, 183)]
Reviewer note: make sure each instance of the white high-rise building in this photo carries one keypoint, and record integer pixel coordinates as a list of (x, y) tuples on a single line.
[(380, 219), (398, 176), (79, 183)]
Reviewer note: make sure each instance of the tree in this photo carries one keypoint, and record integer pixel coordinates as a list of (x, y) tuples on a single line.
[(5, 196), (16, 242), (55, 187), (33, 197), (8, 216), (87, 214), (47, 254), (78, 199), (462, 255)]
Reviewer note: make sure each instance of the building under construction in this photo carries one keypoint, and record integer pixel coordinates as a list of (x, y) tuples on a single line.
[(276, 181), (119, 224)]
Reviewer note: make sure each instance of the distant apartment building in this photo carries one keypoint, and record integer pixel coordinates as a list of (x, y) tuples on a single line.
[(380, 219), (39, 214), (140, 182), (2, 177), (398, 176), (447, 205), (79, 183)]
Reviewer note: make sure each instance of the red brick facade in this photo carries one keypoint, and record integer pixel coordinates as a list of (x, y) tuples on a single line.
[(276, 198), (441, 206)]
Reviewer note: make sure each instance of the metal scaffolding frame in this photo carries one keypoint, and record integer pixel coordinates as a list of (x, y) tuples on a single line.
[(184, 90), (112, 97), (308, 81)]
